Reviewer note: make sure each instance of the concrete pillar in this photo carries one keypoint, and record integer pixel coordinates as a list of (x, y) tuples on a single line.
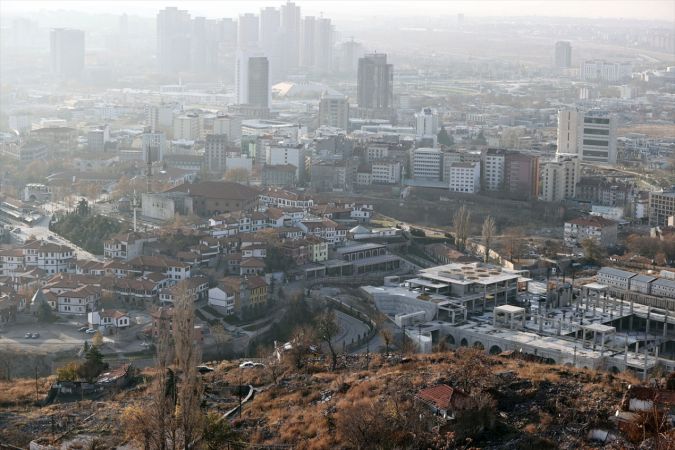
[(625, 354), (644, 375), (602, 344)]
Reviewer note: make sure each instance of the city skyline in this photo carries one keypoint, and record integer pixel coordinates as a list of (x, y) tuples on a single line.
[(658, 10)]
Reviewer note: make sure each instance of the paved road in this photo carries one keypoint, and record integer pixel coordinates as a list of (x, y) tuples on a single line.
[(350, 329), (41, 231)]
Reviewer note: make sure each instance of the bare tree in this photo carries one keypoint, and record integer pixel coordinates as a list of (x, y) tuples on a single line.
[(237, 175), (188, 357), (153, 424), (489, 231), (302, 339), (385, 332), (461, 221), (327, 328)]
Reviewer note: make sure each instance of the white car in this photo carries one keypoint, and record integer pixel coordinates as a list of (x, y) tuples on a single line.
[(90, 331), (250, 364)]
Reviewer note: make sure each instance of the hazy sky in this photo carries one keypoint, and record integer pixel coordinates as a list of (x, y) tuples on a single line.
[(635, 9)]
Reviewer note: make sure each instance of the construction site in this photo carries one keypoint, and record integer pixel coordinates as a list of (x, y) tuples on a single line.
[(495, 309)]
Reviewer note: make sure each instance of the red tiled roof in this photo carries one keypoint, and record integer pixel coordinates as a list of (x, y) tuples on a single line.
[(439, 395), (223, 190)]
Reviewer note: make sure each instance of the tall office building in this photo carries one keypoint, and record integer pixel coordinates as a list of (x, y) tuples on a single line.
[(174, 28), (598, 137), (270, 40), (563, 55), (308, 45), (252, 79), (349, 53), (67, 52), (334, 111), (323, 47), (248, 32), (290, 29), (426, 122), (591, 135), (375, 82), (205, 41)]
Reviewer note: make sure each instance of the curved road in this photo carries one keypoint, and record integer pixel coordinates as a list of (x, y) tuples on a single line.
[(350, 329)]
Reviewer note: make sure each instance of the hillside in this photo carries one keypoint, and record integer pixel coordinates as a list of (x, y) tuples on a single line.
[(367, 403)]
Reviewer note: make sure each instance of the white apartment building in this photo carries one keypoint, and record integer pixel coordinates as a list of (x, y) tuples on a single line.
[(601, 230), (187, 126), (559, 178), (464, 177), (160, 117), (449, 158), (279, 155), (237, 161), (426, 122), (229, 125), (377, 151), (427, 163), (52, 258), (568, 131), (493, 169), (364, 178), (599, 70), (153, 146), (78, 301), (386, 172), (126, 246)]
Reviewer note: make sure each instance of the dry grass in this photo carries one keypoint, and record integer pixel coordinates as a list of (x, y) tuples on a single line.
[(23, 391), (304, 409)]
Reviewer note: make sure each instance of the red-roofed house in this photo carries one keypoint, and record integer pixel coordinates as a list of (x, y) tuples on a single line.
[(443, 399)]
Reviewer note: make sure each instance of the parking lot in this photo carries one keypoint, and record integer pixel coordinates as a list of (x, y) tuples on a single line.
[(57, 337), (53, 337)]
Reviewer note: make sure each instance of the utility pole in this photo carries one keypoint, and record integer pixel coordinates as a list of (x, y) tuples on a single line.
[(37, 395), (239, 392)]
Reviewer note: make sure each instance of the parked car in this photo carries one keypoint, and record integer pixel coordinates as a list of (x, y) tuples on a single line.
[(250, 364), (204, 369), (35, 335), (28, 335), (90, 331)]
